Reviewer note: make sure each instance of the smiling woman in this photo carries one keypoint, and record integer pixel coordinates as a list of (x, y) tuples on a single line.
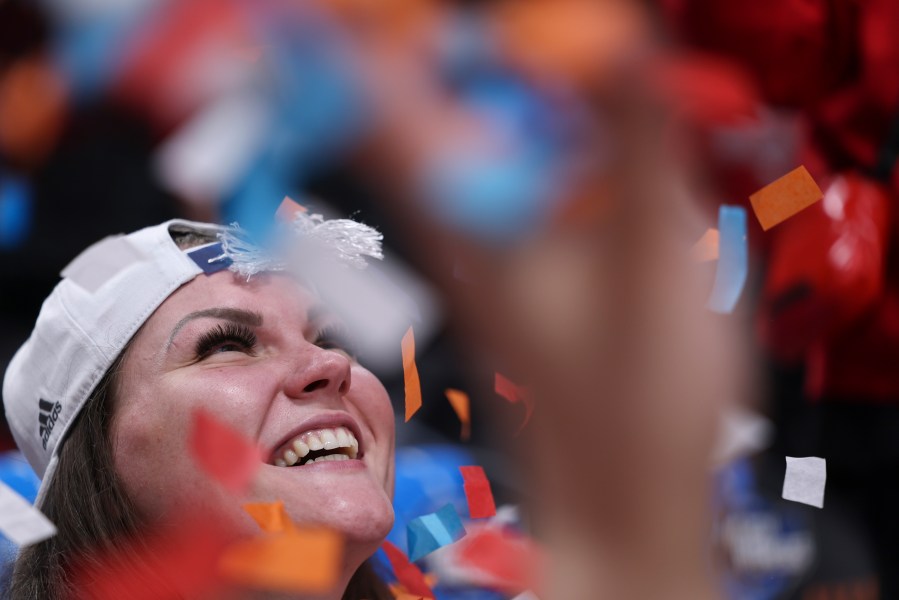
[(129, 349)]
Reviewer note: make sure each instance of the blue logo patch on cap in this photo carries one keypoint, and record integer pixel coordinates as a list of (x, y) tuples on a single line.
[(210, 258)]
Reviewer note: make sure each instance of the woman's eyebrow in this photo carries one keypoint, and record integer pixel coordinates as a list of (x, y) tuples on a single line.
[(237, 315)]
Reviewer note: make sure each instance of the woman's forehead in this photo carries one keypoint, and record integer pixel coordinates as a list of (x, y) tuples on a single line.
[(265, 293)]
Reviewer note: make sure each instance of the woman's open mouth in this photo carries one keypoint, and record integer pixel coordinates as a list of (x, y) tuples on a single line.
[(318, 445)]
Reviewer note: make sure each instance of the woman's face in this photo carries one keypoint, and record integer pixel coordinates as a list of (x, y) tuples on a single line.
[(266, 359)]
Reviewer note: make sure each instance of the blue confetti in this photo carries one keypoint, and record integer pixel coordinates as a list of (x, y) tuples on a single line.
[(432, 531), (733, 259)]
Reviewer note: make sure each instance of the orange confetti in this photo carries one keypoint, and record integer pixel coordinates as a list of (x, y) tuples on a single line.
[(305, 561), (410, 374), (460, 403), (270, 516), (781, 199), (706, 248), (288, 209)]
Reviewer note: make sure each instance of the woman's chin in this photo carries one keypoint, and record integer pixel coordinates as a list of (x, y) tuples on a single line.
[(353, 504)]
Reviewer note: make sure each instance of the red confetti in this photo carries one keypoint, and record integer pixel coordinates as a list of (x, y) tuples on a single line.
[(223, 453), (180, 561), (407, 573), (514, 560), (515, 394), (478, 492)]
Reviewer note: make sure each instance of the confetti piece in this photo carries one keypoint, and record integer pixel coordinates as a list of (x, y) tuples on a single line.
[(432, 531), (460, 403), (409, 576), (410, 374), (270, 516), (805, 479), (399, 594), (515, 394), (222, 453), (513, 560), (288, 209), (528, 595), (783, 198), (478, 492), (101, 262), (20, 522), (706, 249), (179, 561), (304, 561), (733, 261)]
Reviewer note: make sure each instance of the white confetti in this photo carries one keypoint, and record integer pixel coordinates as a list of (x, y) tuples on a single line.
[(20, 522), (804, 481)]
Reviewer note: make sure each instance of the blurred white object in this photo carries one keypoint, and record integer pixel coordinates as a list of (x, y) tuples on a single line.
[(805, 479), (204, 159), (20, 522), (740, 433), (377, 304)]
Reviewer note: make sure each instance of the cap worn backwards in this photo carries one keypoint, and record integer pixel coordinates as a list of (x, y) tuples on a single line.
[(105, 295)]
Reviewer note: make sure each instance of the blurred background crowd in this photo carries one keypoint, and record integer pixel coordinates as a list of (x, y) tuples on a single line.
[(539, 168)]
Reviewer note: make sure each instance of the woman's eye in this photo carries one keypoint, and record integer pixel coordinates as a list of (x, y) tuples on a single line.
[(229, 347), (337, 339), (226, 338)]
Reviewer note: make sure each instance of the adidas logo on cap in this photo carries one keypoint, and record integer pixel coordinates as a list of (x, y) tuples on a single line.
[(47, 419)]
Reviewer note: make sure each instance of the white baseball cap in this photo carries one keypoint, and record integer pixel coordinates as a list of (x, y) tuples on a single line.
[(104, 297)]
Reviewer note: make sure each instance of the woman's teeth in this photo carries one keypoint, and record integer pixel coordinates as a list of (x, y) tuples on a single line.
[(317, 446)]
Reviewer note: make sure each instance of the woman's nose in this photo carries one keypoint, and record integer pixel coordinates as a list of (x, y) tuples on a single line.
[(318, 372)]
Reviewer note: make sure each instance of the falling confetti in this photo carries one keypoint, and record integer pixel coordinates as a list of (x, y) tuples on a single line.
[(410, 374), (804, 480), (478, 492), (733, 261), (223, 453), (432, 531), (783, 198), (461, 404)]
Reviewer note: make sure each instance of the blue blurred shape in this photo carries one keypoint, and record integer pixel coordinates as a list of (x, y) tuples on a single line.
[(15, 212)]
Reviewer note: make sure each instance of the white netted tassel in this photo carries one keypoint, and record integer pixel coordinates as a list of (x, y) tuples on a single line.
[(349, 239), (247, 259)]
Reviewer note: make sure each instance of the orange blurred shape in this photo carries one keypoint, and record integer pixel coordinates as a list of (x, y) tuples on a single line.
[(288, 209), (410, 375), (706, 248), (270, 516), (783, 198), (32, 110), (299, 561), (707, 90), (461, 404), (577, 41)]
